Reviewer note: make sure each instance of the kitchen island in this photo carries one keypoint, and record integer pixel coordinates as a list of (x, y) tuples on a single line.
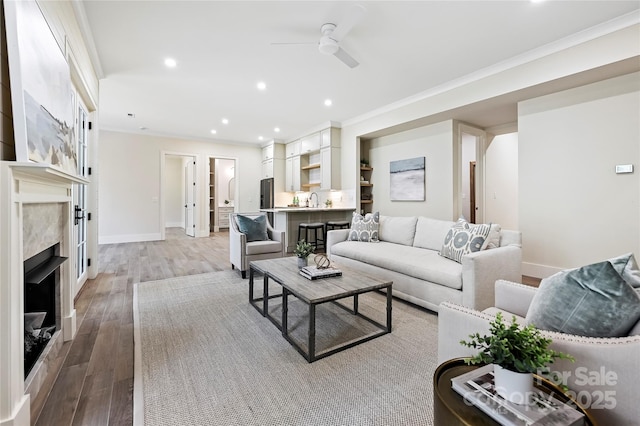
[(288, 219)]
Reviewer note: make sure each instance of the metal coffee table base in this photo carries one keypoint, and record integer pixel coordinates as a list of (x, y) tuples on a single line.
[(262, 305)]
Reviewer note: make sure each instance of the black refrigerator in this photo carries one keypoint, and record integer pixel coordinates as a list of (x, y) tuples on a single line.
[(266, 197)]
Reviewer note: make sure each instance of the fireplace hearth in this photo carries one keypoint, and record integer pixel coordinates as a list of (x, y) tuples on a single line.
[(41, 302)]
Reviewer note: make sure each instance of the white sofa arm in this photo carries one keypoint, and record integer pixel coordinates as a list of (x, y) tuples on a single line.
[(335, 236), (514, 297), (481, 270)]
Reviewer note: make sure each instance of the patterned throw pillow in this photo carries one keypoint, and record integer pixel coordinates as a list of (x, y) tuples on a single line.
[(464, 238), (365, 228)]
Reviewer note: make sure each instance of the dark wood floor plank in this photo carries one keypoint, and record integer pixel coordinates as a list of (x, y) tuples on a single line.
[(61, 405)]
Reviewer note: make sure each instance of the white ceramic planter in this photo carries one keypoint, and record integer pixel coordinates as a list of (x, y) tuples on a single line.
[(513, 386)]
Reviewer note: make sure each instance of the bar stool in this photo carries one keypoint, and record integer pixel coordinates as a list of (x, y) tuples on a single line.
[(336, 224), (319, 241)]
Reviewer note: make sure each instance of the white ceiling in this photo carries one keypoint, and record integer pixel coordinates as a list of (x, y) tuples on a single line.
[(223, 48)]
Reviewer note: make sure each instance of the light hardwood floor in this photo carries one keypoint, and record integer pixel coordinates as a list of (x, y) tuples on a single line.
[(94, 384)]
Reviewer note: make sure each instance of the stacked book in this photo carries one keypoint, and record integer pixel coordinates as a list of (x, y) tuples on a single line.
[(477, 388), (314, 273)]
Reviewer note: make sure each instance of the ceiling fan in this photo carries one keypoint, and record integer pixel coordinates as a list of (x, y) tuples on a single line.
[(332, 34)]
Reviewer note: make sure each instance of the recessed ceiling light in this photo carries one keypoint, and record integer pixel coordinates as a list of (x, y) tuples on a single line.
[(328, 102), (170, 62), (260, 138), (225, 121), (261, 85), (276, 129), (214, 131)]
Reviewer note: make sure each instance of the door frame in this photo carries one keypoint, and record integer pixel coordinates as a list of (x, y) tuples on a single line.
[(161, 204), (481, 143), (210, 157)]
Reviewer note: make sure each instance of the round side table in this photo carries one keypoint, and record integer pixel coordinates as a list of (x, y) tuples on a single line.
[(450, 409)]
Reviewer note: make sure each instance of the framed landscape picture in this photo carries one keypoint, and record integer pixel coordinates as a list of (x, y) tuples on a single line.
[(407, 179), (41, 89)]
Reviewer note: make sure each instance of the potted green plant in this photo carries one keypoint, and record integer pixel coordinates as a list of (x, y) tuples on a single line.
[(302, 251), (516, 352), (364, 162)]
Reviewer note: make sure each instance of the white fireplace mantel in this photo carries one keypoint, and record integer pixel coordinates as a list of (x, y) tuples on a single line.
[(20, 184)]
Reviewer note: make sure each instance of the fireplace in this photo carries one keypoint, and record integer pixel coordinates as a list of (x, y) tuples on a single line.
[(41, 302), (36, 202)]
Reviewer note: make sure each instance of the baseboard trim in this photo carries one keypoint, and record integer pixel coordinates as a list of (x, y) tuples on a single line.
[(133, 238)]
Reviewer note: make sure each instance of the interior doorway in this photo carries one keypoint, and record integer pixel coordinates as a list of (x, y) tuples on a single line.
[(179, 191), (222, 192), (470, 198)]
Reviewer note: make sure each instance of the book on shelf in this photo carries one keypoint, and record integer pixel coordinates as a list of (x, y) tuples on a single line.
[(315, 273), (477, 387)]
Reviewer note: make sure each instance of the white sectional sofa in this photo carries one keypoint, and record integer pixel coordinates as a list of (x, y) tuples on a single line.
[(408, 254)]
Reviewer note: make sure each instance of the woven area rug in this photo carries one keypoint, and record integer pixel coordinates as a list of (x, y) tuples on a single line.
[(205, 356)]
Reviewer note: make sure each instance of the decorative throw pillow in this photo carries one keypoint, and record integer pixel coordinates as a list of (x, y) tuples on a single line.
[(254, 229), (464, 238), (590, 301), (627, 268), (365, 228)]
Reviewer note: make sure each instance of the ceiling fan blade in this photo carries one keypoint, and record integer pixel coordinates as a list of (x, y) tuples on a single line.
[(353, 16), (303, 42), (346, 58)]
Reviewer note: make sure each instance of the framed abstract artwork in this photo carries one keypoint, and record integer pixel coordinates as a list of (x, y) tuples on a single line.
[(407, 179), (41, 89)]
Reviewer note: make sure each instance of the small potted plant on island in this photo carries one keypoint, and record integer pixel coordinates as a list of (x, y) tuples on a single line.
[(516, 353), (302, 251)]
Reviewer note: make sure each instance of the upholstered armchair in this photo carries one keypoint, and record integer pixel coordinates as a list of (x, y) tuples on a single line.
[(605, 376), (259, 241)]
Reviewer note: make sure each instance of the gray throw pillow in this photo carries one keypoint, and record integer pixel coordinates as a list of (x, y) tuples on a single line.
[(254, 229), (590, 301), (627, 268), (365, 228), (464, 238)]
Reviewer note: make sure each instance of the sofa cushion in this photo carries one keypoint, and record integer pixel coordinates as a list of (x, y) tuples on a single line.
[(415, 262), (590, 301), (464, 238), (493, 240), (627, 268), (399, 230), (262, 247), (431, 232), (254, 229), (365, 228)]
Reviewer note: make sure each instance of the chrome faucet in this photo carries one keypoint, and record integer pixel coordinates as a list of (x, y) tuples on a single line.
[(317, 203)]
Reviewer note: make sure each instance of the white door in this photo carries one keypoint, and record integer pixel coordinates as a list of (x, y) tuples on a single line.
[(80, 195), (190, 196)]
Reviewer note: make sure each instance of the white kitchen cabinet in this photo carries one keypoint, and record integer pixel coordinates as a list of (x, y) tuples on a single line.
[(330, 137), (267, 152), (267, 169), (310, 143), (292, 149), (292, 175), (330, 168)]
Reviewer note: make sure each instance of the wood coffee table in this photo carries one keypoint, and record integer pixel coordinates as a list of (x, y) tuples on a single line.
[(284, 271)]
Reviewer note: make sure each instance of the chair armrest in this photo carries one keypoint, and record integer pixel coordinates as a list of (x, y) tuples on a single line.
[(514, 297), (481, 269), (455, 323), (336, 236), (237, 244)]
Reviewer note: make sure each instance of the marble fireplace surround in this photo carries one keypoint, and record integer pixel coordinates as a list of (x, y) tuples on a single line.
[(29, 192)]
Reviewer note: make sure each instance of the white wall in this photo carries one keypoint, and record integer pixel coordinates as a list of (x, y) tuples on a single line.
[(225, 171), (174, 191), (501, 181), (574, 208), (435, 143), (130, 190)]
